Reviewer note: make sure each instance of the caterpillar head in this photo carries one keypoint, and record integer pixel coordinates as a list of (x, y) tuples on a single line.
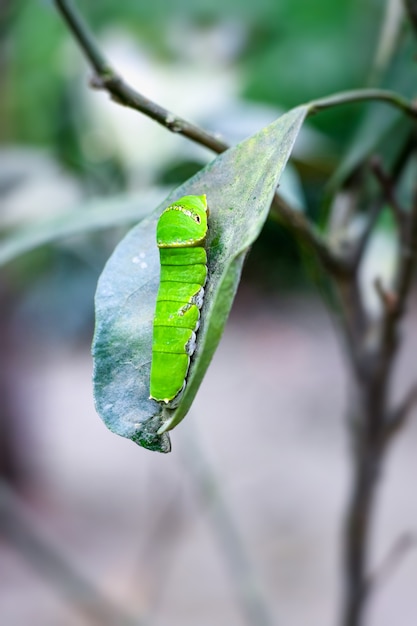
[(183, 223)]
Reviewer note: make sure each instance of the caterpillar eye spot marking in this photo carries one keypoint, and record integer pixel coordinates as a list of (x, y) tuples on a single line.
[(181, 234)]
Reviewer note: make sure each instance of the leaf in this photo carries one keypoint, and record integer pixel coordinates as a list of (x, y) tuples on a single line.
[(382, 125), (239, 185), (97, 216)]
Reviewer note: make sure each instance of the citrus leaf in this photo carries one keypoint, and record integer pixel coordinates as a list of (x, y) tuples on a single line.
[(239, 185), (382, 127)]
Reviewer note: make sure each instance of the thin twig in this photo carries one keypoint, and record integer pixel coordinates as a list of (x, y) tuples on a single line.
[(396, 554), (411, 6), (107, 78), (365, 236), (306, 233), (361, 95), (19, 530), (408, 258), (253, 604), (388, 298), (397, 419), (387, 186), (403, 282)]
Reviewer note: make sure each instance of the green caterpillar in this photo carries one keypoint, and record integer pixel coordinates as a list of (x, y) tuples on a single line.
[(180, 235)]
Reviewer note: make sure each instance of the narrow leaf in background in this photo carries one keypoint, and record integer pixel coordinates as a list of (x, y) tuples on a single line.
[(90, 217)]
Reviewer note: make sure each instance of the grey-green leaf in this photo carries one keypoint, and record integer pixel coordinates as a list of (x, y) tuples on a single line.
[(239, 185), (90, 217), (383, 129)]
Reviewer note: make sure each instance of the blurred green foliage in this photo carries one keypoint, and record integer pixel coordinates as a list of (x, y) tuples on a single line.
[(293, 51)]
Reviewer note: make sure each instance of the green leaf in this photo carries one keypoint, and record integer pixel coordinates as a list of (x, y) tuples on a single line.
[(97, 216), (383, 129), (239, 185)]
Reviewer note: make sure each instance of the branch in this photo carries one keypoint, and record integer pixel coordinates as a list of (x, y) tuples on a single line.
[(406, 267), (361, 95), (122, 93), (398, 418), (408, 258), (411, 7), (396, 554), (107, 78), (375, 353), (387, 186), (394, 301), (387, 297), (309, 235), (363, 241), (253, 604), (19, 531)]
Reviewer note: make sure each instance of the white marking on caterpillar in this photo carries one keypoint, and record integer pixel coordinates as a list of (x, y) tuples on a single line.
[(198, 299), (191, 345)]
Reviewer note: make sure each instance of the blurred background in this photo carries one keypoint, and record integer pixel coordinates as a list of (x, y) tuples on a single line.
[(94, 528)]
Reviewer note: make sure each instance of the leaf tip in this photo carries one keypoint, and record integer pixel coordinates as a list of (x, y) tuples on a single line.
[(151, 441)]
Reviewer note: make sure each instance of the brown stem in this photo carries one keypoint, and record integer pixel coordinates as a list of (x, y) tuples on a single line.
[(387, 185), (367, 421), (361, 95), (357, 532), (107, 78), (19, 530), (397, 418), (255, 608), (401, 547), (373, 423), (411, 7)]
